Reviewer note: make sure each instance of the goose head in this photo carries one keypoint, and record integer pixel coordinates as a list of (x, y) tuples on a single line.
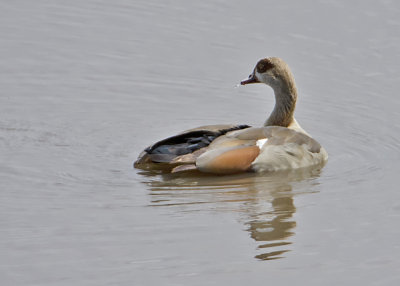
[(273, 72)]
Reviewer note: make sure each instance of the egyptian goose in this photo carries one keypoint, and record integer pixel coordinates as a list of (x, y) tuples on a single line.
[(280, 144)]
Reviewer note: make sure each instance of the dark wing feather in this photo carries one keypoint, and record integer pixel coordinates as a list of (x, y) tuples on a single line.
[(165, 151)]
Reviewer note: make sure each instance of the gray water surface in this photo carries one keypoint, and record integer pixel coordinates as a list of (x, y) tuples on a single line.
[(86, 85)]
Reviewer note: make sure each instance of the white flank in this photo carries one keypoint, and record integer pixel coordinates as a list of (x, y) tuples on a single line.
[(260, 143)]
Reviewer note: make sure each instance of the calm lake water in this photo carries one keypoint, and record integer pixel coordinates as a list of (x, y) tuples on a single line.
[(86, 85)]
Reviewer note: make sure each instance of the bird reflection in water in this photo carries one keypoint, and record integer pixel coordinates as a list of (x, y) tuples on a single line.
[(265, 201), (274, 226)]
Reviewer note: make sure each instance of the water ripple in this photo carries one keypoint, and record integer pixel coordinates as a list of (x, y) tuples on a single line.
[(264, 203)]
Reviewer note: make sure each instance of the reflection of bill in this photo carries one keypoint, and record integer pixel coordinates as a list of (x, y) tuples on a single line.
[(266, 202)]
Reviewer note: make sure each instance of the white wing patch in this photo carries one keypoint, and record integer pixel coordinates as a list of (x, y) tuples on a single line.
[(260, 143)]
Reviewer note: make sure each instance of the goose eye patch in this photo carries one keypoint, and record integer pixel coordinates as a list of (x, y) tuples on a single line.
[(264, 65)]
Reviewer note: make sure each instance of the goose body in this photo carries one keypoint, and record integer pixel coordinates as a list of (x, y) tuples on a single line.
[(280, 144)]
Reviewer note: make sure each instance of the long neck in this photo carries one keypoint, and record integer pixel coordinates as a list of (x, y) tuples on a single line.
[(285, 103)]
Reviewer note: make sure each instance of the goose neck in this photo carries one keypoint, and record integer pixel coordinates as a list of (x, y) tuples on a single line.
[(285, 103)]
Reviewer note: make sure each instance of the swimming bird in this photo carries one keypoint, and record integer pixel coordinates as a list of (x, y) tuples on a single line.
[(280, 144)]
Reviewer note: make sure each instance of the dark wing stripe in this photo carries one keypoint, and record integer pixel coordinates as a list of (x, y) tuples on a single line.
[(185, 143)]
